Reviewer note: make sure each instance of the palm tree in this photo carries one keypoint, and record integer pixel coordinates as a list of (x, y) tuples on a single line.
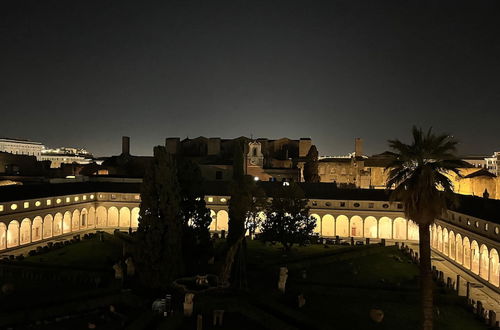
[(418, 174)]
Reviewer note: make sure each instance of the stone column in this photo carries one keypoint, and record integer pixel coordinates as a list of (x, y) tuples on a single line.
[(458, 285)]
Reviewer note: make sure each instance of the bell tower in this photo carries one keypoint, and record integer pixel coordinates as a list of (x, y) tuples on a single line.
[(254, 155)]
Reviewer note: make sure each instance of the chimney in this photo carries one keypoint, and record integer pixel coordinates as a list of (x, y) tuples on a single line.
[(125, 145), (358, 147), (172, 145)]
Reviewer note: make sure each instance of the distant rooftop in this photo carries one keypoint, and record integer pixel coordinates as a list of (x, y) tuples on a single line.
[(5, 139)]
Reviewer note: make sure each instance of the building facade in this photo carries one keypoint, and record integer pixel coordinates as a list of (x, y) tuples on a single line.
[(21, 147)]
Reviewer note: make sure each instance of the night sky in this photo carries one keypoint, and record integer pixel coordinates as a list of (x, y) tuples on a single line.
[(84, 73)]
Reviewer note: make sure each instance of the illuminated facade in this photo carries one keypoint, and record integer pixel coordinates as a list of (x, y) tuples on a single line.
[(21, 147)]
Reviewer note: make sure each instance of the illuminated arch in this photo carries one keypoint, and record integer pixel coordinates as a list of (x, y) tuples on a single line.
[(84, 218), (459, 247), (67, 222), (222, 220), (134, 217), (3, 236), (91, 220), (356, 226), (474, 251), (48, 222), (494, 268), (434, 239), (440, 239), (58, 225), (317, 228), (342, 226), (112, 217), (484, 262), (467, 253), (213, 224), (413, 230), (25, 231), (445, 242), (101, 216), (451, 239), (36, 229), (75, 222), (399, 230), (385, 227), (13, 234), (328, 225), (371, 227), (125, 217)]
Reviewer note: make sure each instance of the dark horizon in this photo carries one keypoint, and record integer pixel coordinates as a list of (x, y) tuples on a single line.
[(85, 73)]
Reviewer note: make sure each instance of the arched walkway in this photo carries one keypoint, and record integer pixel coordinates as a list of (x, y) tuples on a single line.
[(328, 225), (58, 224), (474, 249), (467, 253), (75, 222), (317, 228), (342, 226), (13, 234), (445, 242), (494, 268), (440, 239), (412, 231), (112, 217), (67, 222), (36, 229), (3, 236), (83, 218), (91, 220), (484, 262), (222, 220), (399, 229), (102, 216), (452, 245), (47, 226), (371, 227), (213, 224), (385, 227), (125, 217), (134, 218), (25, 234), (460, 249), (356, 226)]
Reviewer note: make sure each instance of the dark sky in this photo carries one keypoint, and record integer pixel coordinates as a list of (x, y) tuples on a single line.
[(84, 73)]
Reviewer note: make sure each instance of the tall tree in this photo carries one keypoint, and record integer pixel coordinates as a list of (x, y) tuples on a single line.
[(159, 235), (242, 189), (311, 166), (287, 218), (194, 215), (418, 174)]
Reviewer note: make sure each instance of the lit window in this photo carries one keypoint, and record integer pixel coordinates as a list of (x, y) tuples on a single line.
[(13, 206), (58, 201), (26, 205), (485, 226), (314, 203), (38, 203), (1, 208), (497, 230), (84, 197), (49, 202), (91, 196), (223, 200), (68, 199), (113, 196), (77, 198), (210, 199), (137, 197), (477, 224), (101, 196)]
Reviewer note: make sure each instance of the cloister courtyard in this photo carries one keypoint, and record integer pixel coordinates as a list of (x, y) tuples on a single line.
[(73, 285)]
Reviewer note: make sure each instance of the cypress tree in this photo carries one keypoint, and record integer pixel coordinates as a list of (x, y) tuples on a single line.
[(311, 166)]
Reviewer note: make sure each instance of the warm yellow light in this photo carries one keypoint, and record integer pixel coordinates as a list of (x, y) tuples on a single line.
[(77, 198), (91, 196), (68, 199), (13, 206), (26, 205), (49, 202), (210, 199), (38, 203)]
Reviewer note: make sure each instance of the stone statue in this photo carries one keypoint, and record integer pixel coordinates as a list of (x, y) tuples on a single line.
[(282, 280), (188, 304)]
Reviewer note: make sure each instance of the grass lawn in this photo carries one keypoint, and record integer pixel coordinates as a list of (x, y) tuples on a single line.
[(90, 253)]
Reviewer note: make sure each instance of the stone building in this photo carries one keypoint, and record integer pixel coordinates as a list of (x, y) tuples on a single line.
[(21, 147), (265, 159)]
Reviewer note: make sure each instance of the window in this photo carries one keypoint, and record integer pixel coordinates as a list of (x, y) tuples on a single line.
[(137, 197), (385, 205), (400, 206), (210, 199), (218, 175), (342, 204), (68, 200), (356, 204), (371, 205), (13, 206), (223, 200), (26, 205), (468, 222), (58, 201), (314, 203), (84, 197), (486, 226), (497, 230), (113, 196), (1, 208), (77, 198), (91, 196), (476, 224), (328, 204), (38, 203)]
